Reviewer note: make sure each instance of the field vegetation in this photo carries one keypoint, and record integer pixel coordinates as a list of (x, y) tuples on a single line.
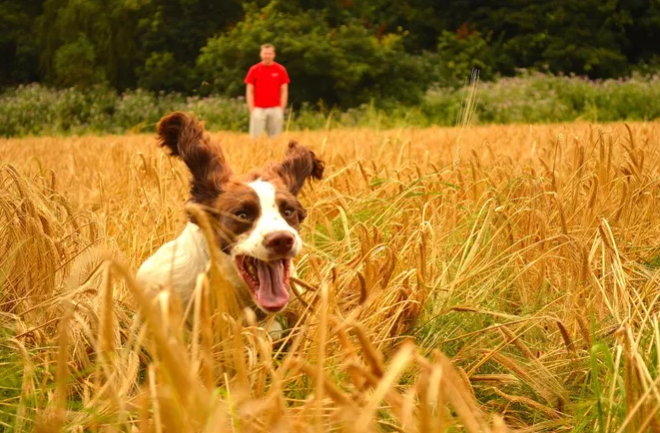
[(344, 53), (528, 98), (488, 278)]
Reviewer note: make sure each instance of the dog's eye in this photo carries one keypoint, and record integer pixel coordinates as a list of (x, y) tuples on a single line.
[(288, 212), (242, 215)]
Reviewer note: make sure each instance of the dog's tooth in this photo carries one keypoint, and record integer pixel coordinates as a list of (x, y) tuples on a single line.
[(251, 268)]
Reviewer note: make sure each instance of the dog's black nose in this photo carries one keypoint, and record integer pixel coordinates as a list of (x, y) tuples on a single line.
[(280, 243)]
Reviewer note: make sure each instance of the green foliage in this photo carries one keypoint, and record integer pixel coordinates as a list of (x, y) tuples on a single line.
[(345, 65), (343, 53), (462, 52), (531, 98), (10, 382), (75, 64), (18, 48), (586, 37), (539, 98), (170, 35), (150, 43), (96, 36), (161, 71)]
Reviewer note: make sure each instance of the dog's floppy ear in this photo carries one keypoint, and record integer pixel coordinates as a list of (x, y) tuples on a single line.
[(186, 138), (298, 165)]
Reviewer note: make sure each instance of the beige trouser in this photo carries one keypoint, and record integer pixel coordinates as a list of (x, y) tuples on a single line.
[(266, 119)]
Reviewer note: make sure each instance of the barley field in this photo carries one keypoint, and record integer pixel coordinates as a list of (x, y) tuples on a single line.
[(478, 279)]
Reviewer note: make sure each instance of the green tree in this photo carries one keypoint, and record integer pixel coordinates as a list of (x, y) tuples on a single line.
[(643, 30), (342, 51), (170, 35), (18, 46), (75, 64), (345, 65), (463, 51), (421, 20), (108, 26), (162, 71), (153, 43), (584, 37)]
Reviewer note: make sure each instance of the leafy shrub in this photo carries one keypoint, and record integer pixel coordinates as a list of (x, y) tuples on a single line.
[(75, 64), (163, 71), (346, 65), (529, 98), (465, 50), (541, 98), (220, 113)]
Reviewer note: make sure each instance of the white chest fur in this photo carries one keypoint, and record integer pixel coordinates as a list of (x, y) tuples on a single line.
[(178, 263)]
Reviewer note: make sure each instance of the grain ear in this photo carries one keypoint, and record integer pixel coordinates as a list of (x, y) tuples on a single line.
[(186, 138)]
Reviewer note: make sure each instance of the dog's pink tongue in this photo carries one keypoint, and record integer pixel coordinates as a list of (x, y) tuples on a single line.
[(272, 294)]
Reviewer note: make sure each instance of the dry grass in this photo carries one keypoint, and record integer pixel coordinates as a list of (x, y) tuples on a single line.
[(511, 286)]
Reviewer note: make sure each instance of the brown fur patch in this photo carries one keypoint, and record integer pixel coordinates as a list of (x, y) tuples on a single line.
[(184, 135), (235, 212), (298, 165), (235, 206)]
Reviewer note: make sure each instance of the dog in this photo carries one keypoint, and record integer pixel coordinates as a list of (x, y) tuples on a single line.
[(256, 218)]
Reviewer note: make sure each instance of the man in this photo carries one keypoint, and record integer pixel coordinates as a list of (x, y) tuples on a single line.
[(267, 94)]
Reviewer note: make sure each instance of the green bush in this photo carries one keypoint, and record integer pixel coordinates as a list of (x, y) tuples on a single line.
[(162, 71), (464, 51), (75, 64), (541, 98), (346, 65), (529, 98)]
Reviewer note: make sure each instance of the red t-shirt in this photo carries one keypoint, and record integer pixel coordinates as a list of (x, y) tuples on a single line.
[(267, 81)]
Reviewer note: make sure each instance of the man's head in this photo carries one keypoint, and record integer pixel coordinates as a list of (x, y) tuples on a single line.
[(256, 215), (267, 54)]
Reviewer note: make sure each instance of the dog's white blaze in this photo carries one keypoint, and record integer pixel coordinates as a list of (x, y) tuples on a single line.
[(270, 221)]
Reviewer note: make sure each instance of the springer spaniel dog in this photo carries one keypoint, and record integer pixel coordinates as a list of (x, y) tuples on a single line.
[(256, 217)]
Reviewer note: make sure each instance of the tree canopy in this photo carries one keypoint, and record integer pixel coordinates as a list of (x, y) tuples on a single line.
[(341, 52)]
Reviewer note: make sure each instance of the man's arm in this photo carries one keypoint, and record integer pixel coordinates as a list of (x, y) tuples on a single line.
[(249, 96), (284, 96)]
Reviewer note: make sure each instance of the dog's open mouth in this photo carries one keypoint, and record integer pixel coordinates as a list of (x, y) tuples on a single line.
[(268, 281)]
